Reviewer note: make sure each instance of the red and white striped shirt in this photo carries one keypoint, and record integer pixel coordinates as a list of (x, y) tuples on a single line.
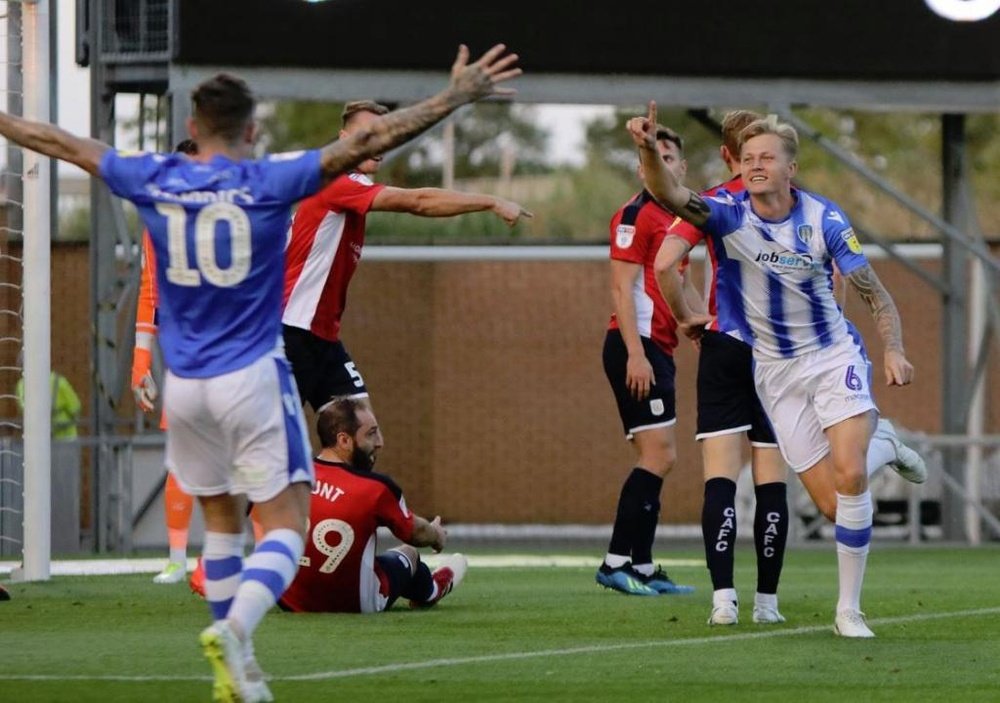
[(323, 249)]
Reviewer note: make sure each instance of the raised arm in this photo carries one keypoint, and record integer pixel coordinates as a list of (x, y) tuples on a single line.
[(898, 370), (469, 82), (658, 179), (438, 202), (53, 141)]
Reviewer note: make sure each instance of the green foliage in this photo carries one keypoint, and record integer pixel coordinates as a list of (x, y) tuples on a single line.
[(542, 634), (294, 125), (609, 144)]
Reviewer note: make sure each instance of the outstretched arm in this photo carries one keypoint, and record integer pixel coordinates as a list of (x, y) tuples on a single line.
[(438, 202), (658, 179), (50, 140), (469, 82), (898, 370)]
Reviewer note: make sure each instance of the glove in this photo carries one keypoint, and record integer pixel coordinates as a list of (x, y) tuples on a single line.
[(146, 393), (143, 385)]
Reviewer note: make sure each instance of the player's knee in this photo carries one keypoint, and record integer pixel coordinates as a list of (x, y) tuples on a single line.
[(412, 556)]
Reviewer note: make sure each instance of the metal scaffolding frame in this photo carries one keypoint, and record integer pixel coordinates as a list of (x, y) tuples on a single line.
[(143, 64)]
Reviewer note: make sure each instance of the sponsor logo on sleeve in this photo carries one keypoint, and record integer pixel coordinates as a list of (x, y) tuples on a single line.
[(624, 234), (851, 239), (835, 216), (360, 178)]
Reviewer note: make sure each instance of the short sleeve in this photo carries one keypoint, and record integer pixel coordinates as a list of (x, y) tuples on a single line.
[(393, 513), (633, 242), (290, 176), (725, 214), (128, 173), (353, 192), (841, 240), (686, 231)]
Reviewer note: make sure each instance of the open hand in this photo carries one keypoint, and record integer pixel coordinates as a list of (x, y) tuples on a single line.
[(480, 79), (639, 376)]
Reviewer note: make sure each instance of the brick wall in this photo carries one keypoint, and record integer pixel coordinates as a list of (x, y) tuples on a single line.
[(487, 380)]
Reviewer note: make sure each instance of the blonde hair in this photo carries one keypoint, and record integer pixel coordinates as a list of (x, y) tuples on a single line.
[(734, 122), (770, 125)]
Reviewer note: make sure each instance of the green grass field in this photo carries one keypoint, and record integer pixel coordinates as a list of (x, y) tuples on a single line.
[(536, 634)]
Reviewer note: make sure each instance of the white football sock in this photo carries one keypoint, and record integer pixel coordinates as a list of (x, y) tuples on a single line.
[(853, 531)]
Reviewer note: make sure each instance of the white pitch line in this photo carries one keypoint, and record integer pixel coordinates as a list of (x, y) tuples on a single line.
[(510, 656), (121, 567)]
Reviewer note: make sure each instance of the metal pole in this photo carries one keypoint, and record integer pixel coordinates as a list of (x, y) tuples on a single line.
[(974, 456), (37, 305), (448, 156), (954, 324)]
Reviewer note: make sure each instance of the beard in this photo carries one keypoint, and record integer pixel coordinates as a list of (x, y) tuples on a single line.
[(362, 460)]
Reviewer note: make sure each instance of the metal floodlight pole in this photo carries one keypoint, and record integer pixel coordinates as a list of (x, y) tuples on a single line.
[(37, 304)]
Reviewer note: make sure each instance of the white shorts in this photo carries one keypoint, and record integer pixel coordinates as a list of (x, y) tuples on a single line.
[(240, 433), (807, 394)]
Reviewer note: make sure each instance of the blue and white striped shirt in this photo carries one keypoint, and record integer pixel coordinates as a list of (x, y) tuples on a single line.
[(777, 277)]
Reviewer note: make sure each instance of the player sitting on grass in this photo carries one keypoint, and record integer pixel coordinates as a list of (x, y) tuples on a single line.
[(340, 571)]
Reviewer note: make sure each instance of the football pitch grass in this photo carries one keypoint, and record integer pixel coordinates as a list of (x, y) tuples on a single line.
[(536, 634)]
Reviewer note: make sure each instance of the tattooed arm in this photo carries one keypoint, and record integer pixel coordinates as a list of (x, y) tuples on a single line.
[(898, 370), (469, 82), (657, 178)]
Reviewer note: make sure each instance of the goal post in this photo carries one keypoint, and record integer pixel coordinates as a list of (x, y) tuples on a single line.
[(37, 302)]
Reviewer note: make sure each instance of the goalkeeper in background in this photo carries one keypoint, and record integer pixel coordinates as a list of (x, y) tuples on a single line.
[(177, 504)]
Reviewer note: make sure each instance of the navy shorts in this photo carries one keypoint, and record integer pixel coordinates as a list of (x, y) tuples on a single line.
[(658, 409), (727, 397), (322, 368), (395, 568)]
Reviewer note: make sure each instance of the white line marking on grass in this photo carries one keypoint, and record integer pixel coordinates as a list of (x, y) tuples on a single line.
[(120, 567), (459, 661), (593, 649)]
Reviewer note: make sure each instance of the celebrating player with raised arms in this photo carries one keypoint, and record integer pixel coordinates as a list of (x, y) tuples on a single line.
[(728, 407), (323, 252), (218, 222), (777, 245)]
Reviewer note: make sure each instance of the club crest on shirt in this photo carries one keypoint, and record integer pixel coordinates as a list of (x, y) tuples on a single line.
[(624, 234), (805, 233), (851, 239)]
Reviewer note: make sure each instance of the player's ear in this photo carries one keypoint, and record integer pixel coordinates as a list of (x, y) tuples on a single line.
[(192, 128), (793, 168), (725, 154), (250, 132)]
